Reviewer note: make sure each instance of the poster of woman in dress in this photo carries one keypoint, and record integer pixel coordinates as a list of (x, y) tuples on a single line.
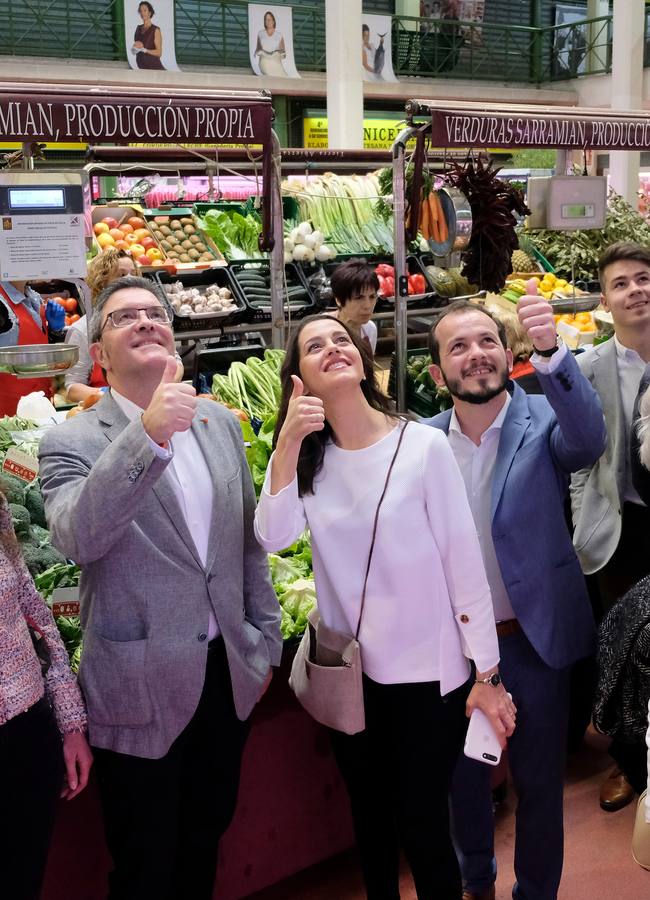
[(150, 34), (376, 50), (270, 39)]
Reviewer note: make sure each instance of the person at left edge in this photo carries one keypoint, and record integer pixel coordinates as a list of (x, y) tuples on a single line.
[(21, 324), (149, 491)]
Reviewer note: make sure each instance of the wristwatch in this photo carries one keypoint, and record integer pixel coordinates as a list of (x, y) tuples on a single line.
[(494, 680), (547, 353)]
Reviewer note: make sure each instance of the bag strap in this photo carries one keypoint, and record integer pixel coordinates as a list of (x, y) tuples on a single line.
[(374, 529)]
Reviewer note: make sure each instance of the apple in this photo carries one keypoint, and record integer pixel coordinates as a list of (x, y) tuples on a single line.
[(126, 228), (111, 222), (136, 222), (148, 242), (157, 262), (116, 234), (153, 253), (136, 250), (143, 260), (130, 239), (122, 245), (101, 228), (105, 240), (141, 233)]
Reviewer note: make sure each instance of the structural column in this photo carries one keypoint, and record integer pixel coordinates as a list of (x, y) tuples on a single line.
[(627, 89), (344, 74)]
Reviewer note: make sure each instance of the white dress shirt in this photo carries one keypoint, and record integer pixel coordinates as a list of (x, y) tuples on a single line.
[(428, 602), (190, 479), (476, 465), (630, 368)]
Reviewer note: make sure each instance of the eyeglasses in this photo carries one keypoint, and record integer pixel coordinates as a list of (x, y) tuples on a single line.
[(120, 318)]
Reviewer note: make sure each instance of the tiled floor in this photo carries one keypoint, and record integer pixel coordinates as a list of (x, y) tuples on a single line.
[(598, 862)]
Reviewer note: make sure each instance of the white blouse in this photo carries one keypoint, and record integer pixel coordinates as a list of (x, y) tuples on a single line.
[(428, 603), (270, 43)]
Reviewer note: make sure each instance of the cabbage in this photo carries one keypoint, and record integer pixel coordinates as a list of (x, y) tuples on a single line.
[(287, 568), (297, 599)]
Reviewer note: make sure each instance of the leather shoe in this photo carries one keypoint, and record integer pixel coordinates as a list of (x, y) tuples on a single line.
[(615, 792), (482, 895)]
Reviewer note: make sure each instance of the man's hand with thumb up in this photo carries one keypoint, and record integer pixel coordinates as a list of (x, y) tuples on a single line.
[(536, 317), (172, 406)]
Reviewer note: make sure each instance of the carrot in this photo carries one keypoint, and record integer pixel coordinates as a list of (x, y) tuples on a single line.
[(433, 212), (425, 226), (442, 222)]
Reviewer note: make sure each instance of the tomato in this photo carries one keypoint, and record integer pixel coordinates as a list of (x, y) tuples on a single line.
[(73, 318), (69, 305)]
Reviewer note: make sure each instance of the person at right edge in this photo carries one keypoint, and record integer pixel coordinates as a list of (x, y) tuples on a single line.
[(516, 453), (612, 523)]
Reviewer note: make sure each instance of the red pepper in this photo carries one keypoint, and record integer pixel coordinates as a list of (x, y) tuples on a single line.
[(385, 270), (389, 287), (418, 284)]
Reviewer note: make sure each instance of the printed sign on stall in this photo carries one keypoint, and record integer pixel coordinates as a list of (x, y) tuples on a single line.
[(270, 41), (376, 49), (33, 246), (149, 34)]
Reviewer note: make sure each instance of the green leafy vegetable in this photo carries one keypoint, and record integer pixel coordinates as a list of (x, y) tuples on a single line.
[(235, 235)]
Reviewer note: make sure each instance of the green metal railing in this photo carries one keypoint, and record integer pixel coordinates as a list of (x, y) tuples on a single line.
[(213, 33)]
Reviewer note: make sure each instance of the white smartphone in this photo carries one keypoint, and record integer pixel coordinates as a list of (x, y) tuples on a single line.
[(481, 742)]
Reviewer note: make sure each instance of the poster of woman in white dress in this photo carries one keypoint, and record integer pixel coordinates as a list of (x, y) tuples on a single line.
[(376, 50), (270, 39)]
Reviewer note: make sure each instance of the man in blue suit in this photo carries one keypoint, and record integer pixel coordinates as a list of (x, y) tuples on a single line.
[(516, 453)]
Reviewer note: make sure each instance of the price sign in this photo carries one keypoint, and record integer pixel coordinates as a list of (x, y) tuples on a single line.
[(70, 608), (20, 464)]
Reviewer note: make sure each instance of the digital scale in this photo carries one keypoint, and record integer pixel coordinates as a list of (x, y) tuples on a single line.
[(43, 225), (567, 202)]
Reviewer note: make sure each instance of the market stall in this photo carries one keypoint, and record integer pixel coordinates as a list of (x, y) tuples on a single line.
[(488, 254)]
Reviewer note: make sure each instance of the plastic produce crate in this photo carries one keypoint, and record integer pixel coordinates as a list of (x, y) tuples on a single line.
[(201, 278), (252, 274), (419, 400)]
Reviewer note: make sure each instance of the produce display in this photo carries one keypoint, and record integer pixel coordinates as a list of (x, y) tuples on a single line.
[(488, 258), (253, 386), (304, 245), (549, 286), (130, 235), (180, 239), (199, 300), (386, 274), (343, 208), (432, 223), (580, 254), (254, 280), (449, 283), (236, 236)]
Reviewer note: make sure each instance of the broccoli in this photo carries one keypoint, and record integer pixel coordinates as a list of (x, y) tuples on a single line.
[(38, 536), (38, 559), (20, 518), (14, 488), (35, 506)]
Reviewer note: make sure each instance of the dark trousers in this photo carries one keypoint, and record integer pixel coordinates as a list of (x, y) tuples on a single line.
[(398, 773), (164, 817), (629, 564), (31, 761), (536, 756)]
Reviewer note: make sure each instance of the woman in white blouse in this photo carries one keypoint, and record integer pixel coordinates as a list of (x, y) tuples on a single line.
[(270, 49), (427, 607)]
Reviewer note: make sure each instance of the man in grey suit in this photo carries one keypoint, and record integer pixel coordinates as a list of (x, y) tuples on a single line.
[(612, 524), (149, 491)]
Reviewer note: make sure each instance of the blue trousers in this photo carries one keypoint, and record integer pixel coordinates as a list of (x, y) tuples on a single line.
[(537, 757)]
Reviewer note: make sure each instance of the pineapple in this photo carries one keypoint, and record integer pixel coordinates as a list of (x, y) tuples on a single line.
[(521, 262)]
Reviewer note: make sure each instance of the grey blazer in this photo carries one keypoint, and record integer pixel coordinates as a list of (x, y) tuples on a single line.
[(597, 492), (145, 596)]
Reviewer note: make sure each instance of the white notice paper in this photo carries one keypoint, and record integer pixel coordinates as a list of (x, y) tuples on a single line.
[(42, 246)]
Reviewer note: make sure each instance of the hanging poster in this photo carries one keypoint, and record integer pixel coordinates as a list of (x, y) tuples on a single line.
[(470, 11), (270, 41), (376, 50), (570, 43), (149, 34)]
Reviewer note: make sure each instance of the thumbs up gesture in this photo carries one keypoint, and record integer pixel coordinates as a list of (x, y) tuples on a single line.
[(304, 414), (172, 406), (536, 317)]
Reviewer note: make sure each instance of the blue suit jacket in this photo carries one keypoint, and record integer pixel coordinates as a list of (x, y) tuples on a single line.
[(543, 440)]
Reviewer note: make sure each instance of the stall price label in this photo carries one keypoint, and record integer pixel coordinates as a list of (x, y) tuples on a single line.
[(69, 608), (20, 464)]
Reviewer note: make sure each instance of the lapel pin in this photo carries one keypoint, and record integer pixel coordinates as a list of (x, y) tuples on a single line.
[(204, 420)]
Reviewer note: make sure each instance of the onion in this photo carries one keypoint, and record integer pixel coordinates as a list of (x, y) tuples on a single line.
[(304, 228)]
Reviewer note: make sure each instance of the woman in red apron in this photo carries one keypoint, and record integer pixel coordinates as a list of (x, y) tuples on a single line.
[(20, 324)]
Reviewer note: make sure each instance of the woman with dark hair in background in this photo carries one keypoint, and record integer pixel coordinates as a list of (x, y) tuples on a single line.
[(147, 41), (42, 723), (354, 285), (427, 596)]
